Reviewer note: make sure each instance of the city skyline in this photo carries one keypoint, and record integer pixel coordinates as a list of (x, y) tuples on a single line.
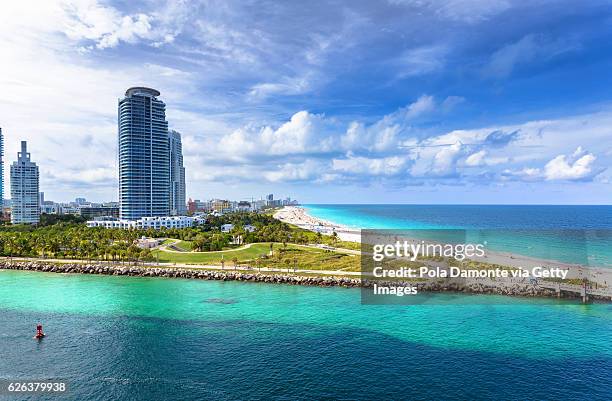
[(335, 111)]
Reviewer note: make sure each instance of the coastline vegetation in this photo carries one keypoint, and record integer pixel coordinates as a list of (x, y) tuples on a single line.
[(257, 255), (66, 237)]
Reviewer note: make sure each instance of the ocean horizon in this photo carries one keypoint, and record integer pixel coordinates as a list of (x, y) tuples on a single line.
[(580, 234)]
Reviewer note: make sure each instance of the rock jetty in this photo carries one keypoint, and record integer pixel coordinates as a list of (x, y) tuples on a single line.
[(140, 271), (460, 286)]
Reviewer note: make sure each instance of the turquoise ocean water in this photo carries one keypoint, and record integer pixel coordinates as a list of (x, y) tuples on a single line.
[(128, 338), (572, 234)]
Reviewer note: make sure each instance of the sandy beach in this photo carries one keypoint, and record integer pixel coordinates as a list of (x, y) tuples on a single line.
[(297, 216)]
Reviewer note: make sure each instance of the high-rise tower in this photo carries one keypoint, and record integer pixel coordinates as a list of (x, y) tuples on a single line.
[(177, 175), (144, 157), (25, 200)]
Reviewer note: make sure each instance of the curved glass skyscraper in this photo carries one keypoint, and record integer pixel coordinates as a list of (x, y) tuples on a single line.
[(144, 165)]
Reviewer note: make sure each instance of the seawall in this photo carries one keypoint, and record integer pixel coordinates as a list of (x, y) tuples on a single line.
[(517, 290)]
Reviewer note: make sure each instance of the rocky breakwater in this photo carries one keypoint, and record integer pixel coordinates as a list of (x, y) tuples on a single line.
[(140, 271), (459, 286), (513, 290)]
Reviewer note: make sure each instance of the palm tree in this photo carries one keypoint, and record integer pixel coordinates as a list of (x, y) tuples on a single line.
[(288, 263)]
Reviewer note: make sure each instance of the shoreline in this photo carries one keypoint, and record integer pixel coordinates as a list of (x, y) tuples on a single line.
[(467, 287), (297, 215)]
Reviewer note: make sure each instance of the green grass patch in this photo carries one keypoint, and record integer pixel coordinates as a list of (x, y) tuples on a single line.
[(214, 258), (186, 246), (312, 259), (307, 258)]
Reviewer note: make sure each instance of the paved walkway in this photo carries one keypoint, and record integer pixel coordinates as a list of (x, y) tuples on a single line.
[(166, 249), (195, 266)]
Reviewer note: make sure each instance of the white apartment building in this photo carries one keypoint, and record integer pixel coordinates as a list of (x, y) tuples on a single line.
[(148, 222), (25, 194)]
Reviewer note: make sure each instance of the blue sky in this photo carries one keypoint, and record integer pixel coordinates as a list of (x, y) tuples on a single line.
[(398, 101)]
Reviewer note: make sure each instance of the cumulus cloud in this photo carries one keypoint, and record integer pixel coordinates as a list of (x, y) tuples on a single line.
[(321, 149), (364, 166), (303, 133), (308, 170), (482, 158), (307, 133), (476, 159), (287, 86), (386, 133), (444, 160), (251, 99), (578, 166), (524, 174), (107, 27)]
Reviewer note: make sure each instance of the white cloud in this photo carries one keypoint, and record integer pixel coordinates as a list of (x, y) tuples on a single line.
[(106, 26), (444, 160), (91, 176), (525, 174), (384, 134), (358, 165), (578, 166), (224, 76), (481, 158), (76, 99), (387, 148), (303, 133), (288, 86), (308, 170), (476, 159)]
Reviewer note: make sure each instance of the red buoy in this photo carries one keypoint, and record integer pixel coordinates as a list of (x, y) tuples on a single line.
[(39, 332)]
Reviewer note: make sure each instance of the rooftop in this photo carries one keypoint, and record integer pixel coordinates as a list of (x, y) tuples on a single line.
[(142, 90)]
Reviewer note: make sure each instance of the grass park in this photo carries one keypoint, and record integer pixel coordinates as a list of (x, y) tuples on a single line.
[(258, 254)]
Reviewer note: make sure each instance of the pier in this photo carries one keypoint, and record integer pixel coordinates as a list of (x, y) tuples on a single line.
[(584, 291)]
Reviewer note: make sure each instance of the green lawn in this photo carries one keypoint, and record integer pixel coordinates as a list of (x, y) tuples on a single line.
[(187, 246), (308, 258), (312, 259), (214, 257)]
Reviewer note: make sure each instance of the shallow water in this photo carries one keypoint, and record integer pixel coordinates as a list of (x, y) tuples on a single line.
[(571, 234), (154, 338)]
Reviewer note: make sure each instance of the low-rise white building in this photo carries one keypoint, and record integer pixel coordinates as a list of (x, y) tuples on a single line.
[(226, 228), (148, 243), (148, 222)]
